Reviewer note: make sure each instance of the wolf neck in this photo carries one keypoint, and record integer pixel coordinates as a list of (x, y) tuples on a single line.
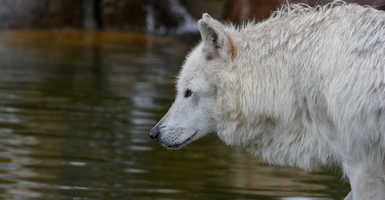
[(259, 110), (284, 143), (291, 144)]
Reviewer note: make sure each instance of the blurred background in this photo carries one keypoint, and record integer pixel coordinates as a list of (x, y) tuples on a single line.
[(83, 81)]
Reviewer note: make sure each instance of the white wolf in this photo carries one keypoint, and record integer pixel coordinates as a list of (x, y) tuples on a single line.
[(304, 88)]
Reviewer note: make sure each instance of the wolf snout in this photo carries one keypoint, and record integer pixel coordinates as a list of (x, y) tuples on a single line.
[(155, 132)]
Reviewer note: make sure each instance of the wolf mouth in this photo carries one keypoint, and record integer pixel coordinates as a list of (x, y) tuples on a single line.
[(175, 146)]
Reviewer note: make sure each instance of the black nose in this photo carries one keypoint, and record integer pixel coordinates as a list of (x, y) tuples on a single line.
[(155, 132)]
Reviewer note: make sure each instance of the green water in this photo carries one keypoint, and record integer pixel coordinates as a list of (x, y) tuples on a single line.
[(75, 111)]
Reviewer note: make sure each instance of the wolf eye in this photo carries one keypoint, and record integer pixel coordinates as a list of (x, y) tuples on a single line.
[(187, 93)]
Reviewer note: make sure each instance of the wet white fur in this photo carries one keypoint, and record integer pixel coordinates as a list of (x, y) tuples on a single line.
[(304, 88)]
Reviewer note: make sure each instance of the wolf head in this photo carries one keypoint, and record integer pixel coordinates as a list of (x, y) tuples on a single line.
[(193, 113)]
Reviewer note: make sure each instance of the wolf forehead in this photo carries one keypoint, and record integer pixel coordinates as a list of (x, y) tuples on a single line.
[(193, 68)]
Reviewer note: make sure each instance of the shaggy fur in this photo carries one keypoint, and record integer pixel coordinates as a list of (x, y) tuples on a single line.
[(304, 88)]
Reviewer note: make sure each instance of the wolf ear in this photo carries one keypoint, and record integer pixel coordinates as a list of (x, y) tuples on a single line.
[(216, 42)]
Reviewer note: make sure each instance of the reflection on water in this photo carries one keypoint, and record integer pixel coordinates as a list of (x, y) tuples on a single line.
[(75, 109)]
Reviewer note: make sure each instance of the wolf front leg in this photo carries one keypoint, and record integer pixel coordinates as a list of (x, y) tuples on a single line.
[(349, 196), (368, 183)]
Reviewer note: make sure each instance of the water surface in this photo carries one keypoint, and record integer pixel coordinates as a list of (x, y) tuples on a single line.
[(75, 110)]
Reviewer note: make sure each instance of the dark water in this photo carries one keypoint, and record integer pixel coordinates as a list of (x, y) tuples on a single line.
[(75, 110)]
